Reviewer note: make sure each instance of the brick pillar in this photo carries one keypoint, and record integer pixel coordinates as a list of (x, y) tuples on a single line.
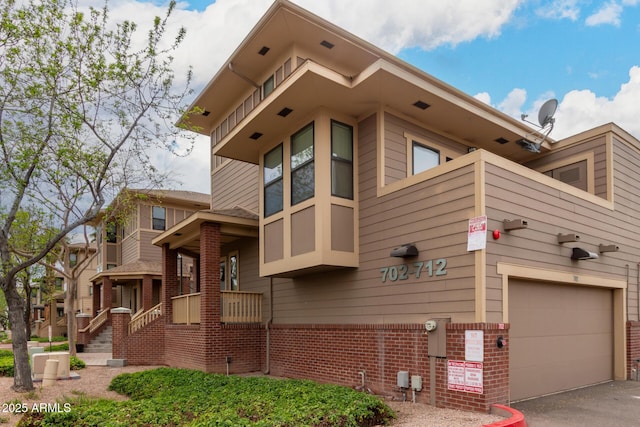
[(82, 321), (169, 281), (147, 292), (97, 289), (107, 294), (120, 318), (210, 294)]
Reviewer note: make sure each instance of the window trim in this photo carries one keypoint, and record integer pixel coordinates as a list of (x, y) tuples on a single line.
[(336, 159), (274, 181), (446, 154), (311, 161), (163, 219)]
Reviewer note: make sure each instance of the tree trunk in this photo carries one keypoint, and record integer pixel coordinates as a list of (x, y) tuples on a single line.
[(22, 371), (69, 300)]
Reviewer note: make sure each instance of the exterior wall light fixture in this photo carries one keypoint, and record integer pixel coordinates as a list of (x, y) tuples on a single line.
[(568, 238), (407, 250), (514, 224), (582, 254), (608, 248)]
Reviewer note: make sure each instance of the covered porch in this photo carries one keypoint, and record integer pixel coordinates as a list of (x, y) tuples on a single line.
[(204, 326)]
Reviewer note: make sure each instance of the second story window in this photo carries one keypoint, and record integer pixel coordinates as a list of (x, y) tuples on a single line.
[(73, 259), (268, 86), (424, 158), (159, 217), (111, 233), (341, 160), (273, 185), (302, 165)]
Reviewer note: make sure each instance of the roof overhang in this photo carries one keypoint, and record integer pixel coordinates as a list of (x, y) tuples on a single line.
[(382, 85), (185, 236)]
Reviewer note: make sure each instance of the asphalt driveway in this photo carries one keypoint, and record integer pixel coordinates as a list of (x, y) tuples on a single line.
[(614, 404)]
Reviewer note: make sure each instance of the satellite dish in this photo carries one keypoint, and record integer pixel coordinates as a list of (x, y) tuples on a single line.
[(548, 109), (546, 120)]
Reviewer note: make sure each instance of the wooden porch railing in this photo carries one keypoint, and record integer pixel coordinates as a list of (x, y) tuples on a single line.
[(142, 318), (241, 307), (97, 321), (236, 307), (186, 309)]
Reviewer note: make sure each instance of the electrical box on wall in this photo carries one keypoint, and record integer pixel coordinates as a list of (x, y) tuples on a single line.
[(437, 336), (403, 379)]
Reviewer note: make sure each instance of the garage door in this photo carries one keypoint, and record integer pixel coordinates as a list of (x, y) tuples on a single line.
[(561, 337)]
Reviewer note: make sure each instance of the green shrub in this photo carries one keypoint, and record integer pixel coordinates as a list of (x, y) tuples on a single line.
[(57, 347), (46, 339), (6, 363), (76, 364), (168, 396)]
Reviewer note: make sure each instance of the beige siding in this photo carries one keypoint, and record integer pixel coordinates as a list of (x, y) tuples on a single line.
[(148, 251), (596, 146), (431, 218), (130, 248), (627, 189), (548, 212), (235, 184)]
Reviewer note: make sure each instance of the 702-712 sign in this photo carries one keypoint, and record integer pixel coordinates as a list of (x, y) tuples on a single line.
[(429, 268)]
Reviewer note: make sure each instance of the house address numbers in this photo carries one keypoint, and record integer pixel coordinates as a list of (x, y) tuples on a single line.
[(429, 268)]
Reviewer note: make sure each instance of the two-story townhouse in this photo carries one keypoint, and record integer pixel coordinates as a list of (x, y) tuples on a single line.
[(128, 271), (406, 235)]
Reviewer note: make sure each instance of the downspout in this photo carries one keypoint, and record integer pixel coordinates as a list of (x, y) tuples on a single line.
[(637, 288), (267, 327)]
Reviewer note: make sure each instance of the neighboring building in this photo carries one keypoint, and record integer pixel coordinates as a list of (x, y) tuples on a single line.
[(128, 271), (351, 194), (83, 301), (47, 305)]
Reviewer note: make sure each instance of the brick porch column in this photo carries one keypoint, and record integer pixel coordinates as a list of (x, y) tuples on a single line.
[(82, 321), (120, 318), (170, 285), (210, 294), (107, 294), (147, 292), (97, 290)]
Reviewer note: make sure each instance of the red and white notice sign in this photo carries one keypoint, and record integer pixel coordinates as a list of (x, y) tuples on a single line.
[(477, 233), (465, 376)]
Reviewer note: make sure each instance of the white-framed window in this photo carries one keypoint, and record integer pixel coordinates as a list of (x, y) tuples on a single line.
[(302, 165), (230, 272), (234, 271)]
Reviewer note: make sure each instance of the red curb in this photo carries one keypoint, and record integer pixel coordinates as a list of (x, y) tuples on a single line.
[(516, 418)]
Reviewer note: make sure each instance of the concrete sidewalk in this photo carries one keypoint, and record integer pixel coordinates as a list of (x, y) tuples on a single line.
[(94, 359), (611, 404)]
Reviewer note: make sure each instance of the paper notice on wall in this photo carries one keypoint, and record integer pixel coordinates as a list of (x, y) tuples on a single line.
[(477, 236), (465, 376)]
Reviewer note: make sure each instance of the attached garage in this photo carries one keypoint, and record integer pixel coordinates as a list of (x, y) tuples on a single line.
[(562, 337)]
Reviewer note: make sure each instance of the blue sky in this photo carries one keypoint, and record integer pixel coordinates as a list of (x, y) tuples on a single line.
[(511, 54)]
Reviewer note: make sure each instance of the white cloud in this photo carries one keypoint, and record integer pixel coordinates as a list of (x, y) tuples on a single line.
[(214, 33), (609, 14), (512, 104), (560, 9), (424, 24), (581, 110)]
